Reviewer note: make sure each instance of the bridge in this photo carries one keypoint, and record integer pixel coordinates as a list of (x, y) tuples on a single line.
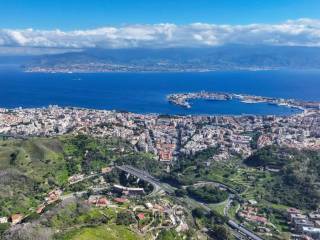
[(248, 234), (145, 176)]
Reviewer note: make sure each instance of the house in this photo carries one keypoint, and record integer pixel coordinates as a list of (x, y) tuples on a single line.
[(263, 229), (93, 199), (314, 216), (148, 205), (311, 232), (253, 202), (293, 210), (120, 200), (159, 208), (40, 208), (300, 223), (165, 156), (317, 223), (102, 202), (251, 214), (53, 196), (75, 178), (293, 216), (98, 201), (300, 237), (165, 151), (16, 218), (106, 170), (258, 219), (140, 216)]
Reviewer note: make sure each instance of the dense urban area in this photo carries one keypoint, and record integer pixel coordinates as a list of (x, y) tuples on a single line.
[(74, 173)]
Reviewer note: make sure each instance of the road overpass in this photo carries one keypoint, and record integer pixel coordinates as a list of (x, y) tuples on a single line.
[(143, 175), (244, 231)]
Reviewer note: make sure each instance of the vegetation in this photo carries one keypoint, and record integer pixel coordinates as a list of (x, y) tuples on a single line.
[(106, 232), (207, 194), (125, 218), (214, 222), (297, 185), (31, 168), (169, 235), (190, 169)]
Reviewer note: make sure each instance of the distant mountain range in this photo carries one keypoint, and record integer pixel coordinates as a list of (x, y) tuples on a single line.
[(230, 57)]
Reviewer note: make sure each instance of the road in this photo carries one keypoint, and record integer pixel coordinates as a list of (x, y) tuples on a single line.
[(158, 186), (238, 231), (243, 230), (79, 194)]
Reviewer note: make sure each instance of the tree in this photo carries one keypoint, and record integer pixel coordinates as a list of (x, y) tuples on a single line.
[(180, 192), (219, 232), (125, 218), (198, 213)]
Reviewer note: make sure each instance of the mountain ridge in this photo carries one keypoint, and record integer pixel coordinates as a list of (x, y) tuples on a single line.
[(230, 57)]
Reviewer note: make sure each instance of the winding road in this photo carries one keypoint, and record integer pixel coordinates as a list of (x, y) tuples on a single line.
[(237, 230)]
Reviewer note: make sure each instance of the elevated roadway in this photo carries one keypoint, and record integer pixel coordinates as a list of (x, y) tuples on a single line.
[(239, 231)]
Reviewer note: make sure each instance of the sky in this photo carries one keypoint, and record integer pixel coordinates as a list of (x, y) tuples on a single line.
[(84, 14), (76, 24)]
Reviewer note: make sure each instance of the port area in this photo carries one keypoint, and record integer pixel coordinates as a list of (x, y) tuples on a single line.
[(183, 100)]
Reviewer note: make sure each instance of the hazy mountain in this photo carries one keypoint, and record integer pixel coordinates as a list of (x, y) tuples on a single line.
[(225, 58)]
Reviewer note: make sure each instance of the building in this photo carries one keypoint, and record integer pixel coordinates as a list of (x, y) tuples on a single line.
[(314, 216), (16, 218), (106, 170), (253, 202), (53, 196), (75, 178), (102, 202), (40, 208), (295, 216), (300, 223), (98, 201), (311, 232), (148, 205), (140, 216), (120, 200), (293, 210)]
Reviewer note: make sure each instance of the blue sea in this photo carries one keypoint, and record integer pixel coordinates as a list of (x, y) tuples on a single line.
[(146, 92)]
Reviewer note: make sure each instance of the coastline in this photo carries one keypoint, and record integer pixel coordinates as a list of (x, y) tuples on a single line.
[(182, 100)]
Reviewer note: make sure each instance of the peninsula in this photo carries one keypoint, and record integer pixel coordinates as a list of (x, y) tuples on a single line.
[(183, 99)]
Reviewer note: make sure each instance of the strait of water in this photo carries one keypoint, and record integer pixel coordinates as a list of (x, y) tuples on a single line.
[(146, 92)]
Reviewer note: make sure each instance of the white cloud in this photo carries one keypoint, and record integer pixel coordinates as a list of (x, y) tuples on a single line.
[(302, 32)]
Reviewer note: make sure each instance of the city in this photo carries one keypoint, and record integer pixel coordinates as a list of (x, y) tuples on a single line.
[(159, 120)]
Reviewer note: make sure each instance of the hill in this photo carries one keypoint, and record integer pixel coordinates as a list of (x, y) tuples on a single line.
[(297, 180), (229, 57)]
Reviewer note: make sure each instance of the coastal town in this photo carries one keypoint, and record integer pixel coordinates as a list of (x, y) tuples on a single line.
[(168, 138)]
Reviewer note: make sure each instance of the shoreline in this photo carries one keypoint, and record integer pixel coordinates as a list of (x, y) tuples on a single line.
[(169, 115), (182, 100)]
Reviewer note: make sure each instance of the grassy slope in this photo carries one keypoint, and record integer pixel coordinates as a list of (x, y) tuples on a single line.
[(26, 166), (30, 168), (105, 232)]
